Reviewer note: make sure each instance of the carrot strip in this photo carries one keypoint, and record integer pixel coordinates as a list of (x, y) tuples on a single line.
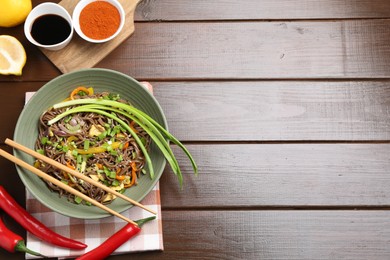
[(125, 146), (77, 90), (120, 177), (132, 127), (133, 175), (69, 165)]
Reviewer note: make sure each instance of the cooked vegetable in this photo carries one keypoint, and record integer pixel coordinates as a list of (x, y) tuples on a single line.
[(82, 91), (153, 128), (96, 146), (13, 242), (115, 241), (37, 228), (104, 137)]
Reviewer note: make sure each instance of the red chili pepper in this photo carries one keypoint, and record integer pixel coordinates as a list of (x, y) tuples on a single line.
[(9, 205), (13, 242), (115, 241)]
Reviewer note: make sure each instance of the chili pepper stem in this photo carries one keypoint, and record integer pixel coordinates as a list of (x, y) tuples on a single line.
[(21, 247), (140, 222), (115, 241)]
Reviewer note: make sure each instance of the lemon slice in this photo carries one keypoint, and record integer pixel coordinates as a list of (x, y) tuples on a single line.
[(12, 56)]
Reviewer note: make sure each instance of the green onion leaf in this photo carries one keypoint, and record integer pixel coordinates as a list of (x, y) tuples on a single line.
[(158, 133)]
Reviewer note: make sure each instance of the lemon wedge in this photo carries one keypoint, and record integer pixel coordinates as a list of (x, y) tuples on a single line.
[(12, 55)]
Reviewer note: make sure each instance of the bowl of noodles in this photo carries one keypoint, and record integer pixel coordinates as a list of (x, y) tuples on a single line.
[(91, 143)]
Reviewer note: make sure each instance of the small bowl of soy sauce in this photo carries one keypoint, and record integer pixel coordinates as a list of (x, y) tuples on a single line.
[(49, 26)]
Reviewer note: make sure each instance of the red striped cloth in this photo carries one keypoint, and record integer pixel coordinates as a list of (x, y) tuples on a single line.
[(94, 232)]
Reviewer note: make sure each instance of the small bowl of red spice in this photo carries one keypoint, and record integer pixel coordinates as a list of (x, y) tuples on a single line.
[(98, 21)]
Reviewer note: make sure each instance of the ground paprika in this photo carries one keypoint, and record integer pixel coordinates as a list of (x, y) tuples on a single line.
[(99, 20)]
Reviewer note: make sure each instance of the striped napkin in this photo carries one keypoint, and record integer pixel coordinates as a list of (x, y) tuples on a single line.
[(94, 232)]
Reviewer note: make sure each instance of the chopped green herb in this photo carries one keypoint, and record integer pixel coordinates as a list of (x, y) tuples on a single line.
[(102, 135), (119, 158), (78, 200), (67, 119), (44, 140), (79, 158), (86, 144), (112, 174)]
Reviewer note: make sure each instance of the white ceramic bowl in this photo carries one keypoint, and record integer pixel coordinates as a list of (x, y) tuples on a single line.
[(47, 9), (76, 21)]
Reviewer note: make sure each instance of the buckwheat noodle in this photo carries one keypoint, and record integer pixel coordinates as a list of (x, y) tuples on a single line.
[(113, 165)]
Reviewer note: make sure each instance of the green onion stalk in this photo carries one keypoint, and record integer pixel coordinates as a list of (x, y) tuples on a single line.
[(157, 132)]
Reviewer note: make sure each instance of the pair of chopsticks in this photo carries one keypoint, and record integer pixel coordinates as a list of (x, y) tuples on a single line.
[(63, 185)]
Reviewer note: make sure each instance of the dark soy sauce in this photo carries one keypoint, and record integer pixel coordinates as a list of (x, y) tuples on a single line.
[(50, 29)]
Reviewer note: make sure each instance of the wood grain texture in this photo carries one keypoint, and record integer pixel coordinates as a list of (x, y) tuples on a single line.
[(12, 95), (273, 175), (250, 50), (276, 235), (285, 106), (187, 10), (281, 175), (276, 111), (80, 54), (347, 235), (256, 110), (256, 50)]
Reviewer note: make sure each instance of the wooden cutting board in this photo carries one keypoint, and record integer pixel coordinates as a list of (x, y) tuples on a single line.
[(80, 54)]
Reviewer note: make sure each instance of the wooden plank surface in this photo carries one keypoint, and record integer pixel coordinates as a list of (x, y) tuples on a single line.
[(188, 10), (274, 175), (257, 110), (281, 175), (354, 235), (284, 105), (256, 50), (184, 10), (276, 110), (250, 50), (276, 235)]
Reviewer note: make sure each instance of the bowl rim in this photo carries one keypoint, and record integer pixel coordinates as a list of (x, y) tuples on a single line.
[(55, 9), (81, 5), (101, 214)]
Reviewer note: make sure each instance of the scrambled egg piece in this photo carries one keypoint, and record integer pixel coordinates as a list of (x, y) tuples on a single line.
[(96, 130)]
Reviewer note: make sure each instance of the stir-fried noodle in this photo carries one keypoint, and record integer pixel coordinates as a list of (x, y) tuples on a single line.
[(94, 145)]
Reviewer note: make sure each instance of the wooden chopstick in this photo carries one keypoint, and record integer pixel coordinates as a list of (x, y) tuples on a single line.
[(61, 184), (74, 173)]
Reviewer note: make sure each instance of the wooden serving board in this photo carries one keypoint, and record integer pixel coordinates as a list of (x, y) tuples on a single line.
[(79, 54)]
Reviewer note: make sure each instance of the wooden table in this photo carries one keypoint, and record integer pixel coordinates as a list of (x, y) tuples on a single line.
[(285, 106)]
